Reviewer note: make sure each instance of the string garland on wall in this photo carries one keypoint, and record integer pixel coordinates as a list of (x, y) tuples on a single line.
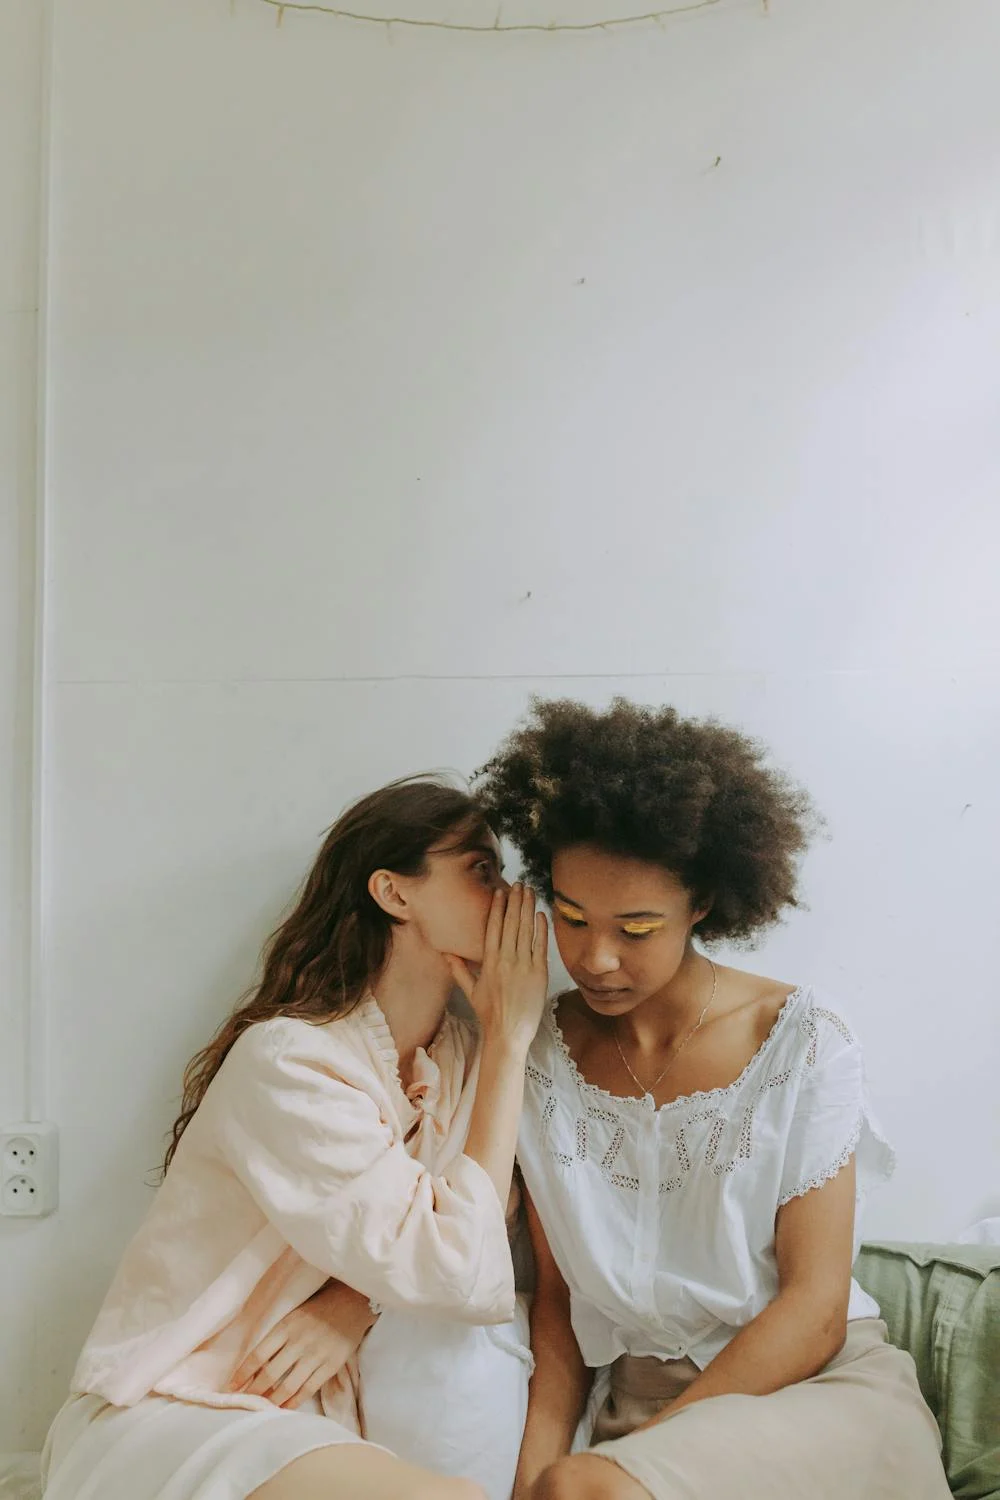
[(498, 25)]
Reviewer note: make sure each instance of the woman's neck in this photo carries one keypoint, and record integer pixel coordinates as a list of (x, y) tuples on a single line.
[(666, 1017), (413, 991)]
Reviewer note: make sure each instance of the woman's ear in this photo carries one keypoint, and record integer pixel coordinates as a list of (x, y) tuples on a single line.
[(702, 906), (383, 887)]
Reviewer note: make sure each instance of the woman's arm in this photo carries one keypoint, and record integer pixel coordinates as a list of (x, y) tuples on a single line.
[(561, 1382), (296, 1122), (805, 1326)]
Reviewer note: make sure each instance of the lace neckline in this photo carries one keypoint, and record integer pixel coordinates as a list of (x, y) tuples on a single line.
[(644, 1102)]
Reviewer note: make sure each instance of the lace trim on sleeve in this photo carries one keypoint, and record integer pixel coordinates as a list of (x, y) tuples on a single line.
[(876, 1161), (820, 1179)]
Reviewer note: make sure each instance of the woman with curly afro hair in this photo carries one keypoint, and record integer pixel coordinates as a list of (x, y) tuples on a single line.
[(695, 1140)]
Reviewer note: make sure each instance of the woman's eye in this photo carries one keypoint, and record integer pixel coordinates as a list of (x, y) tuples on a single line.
[(571, 921), (638, 933)]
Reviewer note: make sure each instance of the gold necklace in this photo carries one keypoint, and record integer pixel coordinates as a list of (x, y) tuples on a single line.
[(679, 1048)]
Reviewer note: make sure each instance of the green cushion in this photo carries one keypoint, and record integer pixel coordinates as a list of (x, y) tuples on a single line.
[(942, 1304)]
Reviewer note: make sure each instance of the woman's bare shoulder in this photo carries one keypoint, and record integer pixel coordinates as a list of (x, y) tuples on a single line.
[(761, 999)]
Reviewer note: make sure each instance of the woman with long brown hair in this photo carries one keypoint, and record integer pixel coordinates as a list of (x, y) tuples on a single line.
[(342, 1158)]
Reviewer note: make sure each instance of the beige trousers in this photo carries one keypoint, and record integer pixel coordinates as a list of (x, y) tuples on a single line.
[(859, 1430)]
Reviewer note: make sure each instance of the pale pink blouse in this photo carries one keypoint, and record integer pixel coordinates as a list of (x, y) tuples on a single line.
[(306, 1160)]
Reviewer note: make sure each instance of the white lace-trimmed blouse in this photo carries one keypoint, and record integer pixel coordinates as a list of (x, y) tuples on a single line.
[(662, 1221)]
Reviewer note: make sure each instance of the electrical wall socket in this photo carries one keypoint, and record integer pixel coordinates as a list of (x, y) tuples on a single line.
[(29, 1169)]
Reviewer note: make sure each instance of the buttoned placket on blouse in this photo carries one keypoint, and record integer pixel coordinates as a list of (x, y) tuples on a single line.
[(648, 1211)]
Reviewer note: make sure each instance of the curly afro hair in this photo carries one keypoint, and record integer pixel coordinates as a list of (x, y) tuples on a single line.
[(689, 795)]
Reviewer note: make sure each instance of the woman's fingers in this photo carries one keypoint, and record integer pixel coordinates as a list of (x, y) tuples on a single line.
[(526, 927), (287, 1391), (262, 1384), (462, 974), (245, 1373), (270, 1376), (495, 924), (540, 951), (512, 921), (258, 1358), (312, 1386)]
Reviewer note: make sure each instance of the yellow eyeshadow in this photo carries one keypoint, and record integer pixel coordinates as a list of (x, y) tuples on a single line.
[(565, 910), (639, 929)]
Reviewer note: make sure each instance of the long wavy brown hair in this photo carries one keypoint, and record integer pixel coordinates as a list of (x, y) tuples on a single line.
[(323, 958)]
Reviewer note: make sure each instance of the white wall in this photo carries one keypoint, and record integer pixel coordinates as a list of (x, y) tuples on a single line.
[(23, 1247), (396, 377)]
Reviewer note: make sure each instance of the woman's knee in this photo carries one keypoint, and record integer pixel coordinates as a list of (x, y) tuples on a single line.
[(438, 1488), (355, 1471), (457, 1489), (585, 1476)]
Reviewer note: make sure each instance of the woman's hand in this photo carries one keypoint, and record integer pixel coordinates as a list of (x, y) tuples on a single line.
[(507, 996), (509, 992), (307, 1348)]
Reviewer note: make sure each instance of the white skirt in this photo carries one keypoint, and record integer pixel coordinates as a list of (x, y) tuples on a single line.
[(161, 1449), (449, 1396)]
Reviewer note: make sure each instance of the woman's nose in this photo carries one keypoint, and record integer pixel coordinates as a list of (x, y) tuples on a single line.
[(600, 958)]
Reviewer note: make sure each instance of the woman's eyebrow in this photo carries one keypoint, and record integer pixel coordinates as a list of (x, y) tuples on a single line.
[(622, 916)]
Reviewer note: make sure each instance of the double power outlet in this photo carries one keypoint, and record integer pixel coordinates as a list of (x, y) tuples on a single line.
[(29, 1170)]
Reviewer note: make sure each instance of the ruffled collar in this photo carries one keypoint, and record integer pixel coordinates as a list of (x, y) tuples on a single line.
[(423, 1093)]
